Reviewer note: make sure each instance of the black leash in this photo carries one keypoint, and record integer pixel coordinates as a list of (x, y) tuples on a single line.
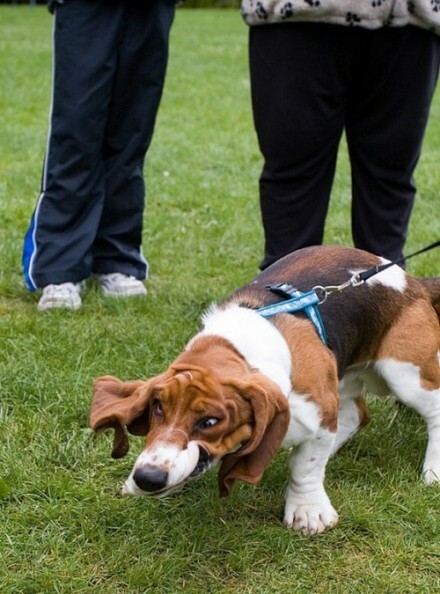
[(362, 277)]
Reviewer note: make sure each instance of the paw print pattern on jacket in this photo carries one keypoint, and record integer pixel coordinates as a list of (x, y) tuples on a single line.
[(352, 18), (260, 11), (286, 11), (368, 14)]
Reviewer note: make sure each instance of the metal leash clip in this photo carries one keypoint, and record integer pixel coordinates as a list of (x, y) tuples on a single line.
[(324, 292)]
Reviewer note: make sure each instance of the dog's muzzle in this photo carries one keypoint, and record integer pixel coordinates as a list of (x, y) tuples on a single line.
[(152, 480)]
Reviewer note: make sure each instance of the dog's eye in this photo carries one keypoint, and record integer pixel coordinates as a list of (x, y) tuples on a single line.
[(157, 408), (207, 423)]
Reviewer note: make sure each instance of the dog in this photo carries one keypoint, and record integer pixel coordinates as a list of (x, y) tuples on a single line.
[(245, 385)]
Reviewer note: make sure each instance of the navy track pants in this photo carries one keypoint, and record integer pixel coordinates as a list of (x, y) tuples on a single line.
[(109, 64)]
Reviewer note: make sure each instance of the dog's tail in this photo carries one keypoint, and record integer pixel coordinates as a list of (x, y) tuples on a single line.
[(432, 285)]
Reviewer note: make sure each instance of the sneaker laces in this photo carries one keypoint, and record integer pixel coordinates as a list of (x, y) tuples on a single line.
[(58, 289)]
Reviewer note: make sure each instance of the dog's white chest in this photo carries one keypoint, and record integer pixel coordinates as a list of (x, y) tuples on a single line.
[(260, 343)]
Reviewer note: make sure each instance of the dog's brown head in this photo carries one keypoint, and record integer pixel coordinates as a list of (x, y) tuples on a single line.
[(193, 418)]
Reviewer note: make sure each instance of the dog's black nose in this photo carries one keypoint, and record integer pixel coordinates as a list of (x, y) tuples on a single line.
[(150, 479)]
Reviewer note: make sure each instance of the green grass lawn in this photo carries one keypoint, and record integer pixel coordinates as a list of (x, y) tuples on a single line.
[(63, 525)]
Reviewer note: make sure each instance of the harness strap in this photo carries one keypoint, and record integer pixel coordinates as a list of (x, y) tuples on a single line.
[(296, 301)]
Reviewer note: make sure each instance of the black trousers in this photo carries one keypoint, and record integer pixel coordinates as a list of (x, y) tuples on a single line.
[(109, 63), (309, 83)]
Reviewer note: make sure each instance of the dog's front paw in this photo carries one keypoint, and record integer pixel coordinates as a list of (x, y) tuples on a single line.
[(312, 517)]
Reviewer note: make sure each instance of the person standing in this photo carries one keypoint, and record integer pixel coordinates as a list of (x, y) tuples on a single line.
[(109, 65), (319, 68)]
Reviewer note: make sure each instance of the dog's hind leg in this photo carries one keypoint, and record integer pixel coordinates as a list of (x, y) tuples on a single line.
[(407, 383), (409, 364)]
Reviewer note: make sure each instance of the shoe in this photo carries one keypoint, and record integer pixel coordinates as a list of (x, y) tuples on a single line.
[(64, 295), (117, 284)]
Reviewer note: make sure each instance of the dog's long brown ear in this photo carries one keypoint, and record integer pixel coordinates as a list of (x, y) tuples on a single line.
[(121, 406), (271, 420)]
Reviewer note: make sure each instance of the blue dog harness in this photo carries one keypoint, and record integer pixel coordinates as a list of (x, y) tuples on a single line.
[(296, 301)]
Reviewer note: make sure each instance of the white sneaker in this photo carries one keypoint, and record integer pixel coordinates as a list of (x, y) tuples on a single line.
[(117, 284), (64, 295)]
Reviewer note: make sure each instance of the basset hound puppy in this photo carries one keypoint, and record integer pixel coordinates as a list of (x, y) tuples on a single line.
[(246, 386)]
